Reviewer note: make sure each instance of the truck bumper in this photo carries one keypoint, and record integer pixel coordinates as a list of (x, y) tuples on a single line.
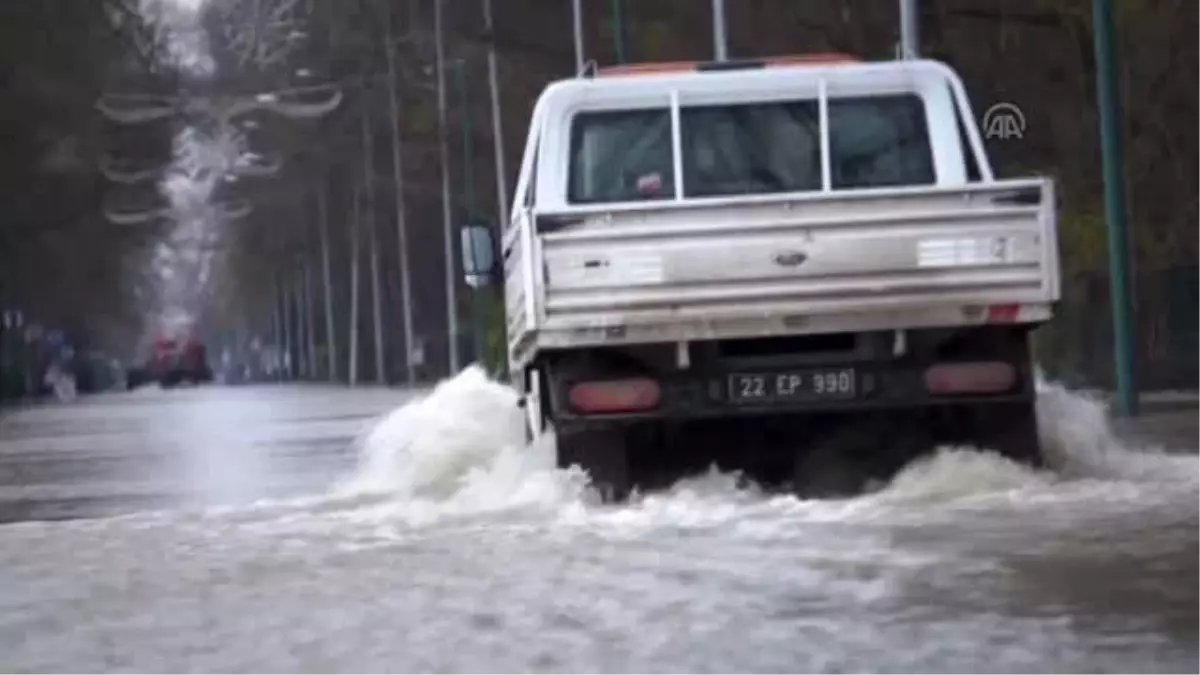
[(997, 370)]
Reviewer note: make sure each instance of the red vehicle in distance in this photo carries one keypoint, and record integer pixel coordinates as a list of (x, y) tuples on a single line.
[(176, 361)]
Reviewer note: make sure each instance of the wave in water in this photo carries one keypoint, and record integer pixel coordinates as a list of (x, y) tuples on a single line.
[(460, 449)]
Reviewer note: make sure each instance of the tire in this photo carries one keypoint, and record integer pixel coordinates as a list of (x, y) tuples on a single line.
[(1010, 429), (827, 470), (1007, 427), (602, 454)]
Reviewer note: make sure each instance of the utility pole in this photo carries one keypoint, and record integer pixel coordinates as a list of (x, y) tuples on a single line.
[(577, 24), (447, 222), (373, 240), (497, 127), (720, 43), (910, 33), (410, 373), (1109, 103)]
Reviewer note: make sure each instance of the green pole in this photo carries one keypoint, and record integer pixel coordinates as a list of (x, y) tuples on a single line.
[(468, 205), (618, 20), (1108, 101)]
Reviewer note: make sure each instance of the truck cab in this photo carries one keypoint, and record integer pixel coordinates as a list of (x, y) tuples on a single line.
[(801, 268)]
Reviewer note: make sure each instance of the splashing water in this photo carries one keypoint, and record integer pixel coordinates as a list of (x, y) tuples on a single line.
[(460, 449), (1079, 442), (455, 547)]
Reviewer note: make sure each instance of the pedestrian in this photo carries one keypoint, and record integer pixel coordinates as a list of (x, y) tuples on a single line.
[(61, 381)]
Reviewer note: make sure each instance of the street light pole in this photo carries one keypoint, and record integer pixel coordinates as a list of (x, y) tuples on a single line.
[(301, 319), (410, 373), (618, 23), (310, 324), (447, 218), (368, 148), (276, 322), (327, 281), (468, 194), (1108, 101), (355, 245), (720, 42), (497, 127), (468, 141), (910, 36), (577, 25), (285, 318)]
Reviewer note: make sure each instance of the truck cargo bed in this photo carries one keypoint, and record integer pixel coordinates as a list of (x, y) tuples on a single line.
[(746, 266)]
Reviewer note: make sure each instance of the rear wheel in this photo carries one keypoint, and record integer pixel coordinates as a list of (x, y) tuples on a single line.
[(846, 460), (832, 466), (1006, 427), (602, 454), (1010, 429)]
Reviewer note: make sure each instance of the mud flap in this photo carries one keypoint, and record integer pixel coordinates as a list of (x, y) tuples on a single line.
[(531, 404), (1010, 429), (602, 454)]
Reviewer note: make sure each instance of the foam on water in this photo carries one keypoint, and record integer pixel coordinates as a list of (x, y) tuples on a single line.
[(1079, 442), (460, 450), (454, 545)]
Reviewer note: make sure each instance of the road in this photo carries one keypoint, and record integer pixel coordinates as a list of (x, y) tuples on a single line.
[(150, 449), (260, 529)]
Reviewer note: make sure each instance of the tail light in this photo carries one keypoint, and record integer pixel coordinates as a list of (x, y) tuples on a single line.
[(987, 377), (614, 396), (1003, 313)]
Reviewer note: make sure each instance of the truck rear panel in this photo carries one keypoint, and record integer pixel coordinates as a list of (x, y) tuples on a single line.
[(893, 258)]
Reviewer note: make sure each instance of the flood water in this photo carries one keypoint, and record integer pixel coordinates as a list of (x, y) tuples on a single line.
[(451, 547)]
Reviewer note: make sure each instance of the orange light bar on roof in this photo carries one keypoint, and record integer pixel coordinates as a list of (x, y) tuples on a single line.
[(685, 66)]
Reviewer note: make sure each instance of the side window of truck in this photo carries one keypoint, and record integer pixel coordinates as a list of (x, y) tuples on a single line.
[(879, 141), (621, 156)]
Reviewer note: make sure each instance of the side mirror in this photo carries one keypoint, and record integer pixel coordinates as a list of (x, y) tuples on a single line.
[(479, 255)]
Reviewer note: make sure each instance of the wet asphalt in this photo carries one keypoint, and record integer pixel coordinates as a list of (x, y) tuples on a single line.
[(118, 453)]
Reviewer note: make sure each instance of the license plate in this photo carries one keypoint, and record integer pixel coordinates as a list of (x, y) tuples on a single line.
[(792, 386)]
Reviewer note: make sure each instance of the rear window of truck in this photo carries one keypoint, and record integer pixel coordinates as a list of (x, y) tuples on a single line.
[(621, 156), (756, 148)]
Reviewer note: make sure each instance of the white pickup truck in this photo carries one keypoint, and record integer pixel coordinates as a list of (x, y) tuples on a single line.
[(802, 269)]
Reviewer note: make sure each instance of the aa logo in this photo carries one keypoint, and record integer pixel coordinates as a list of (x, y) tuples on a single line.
[(1004, 120)]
